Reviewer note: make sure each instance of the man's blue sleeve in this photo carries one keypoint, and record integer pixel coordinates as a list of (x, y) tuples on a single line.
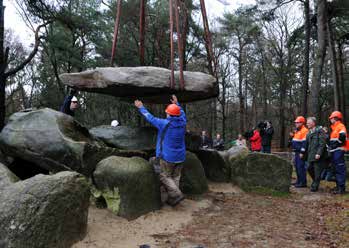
[(182, 112), (156, 122)]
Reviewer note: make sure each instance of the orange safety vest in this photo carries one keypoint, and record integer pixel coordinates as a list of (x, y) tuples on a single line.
[(301, 134), (337, 129)]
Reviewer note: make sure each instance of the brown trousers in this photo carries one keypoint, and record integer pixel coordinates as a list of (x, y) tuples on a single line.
[(170, 175)]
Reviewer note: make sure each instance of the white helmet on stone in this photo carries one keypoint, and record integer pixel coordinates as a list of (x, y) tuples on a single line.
[(114, 123)]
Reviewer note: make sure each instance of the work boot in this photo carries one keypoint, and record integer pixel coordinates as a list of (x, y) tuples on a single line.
[(313, 189), (300, 186), (339, 191), (174, 202)]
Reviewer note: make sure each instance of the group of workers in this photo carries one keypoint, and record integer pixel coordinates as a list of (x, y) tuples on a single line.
[(314, 149)]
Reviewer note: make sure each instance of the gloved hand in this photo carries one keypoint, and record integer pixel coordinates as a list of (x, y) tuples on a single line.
[(73, 92)]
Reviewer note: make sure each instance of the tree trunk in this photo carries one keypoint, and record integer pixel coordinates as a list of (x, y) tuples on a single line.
[(334, 74), (307, 27), (340, 68), (241, 96), (319, 58), (3, 65)]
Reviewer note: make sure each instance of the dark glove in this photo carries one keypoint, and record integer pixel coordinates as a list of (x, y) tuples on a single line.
[(73, 92)]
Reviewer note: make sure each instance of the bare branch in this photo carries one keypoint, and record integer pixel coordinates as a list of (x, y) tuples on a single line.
[(31, 55)]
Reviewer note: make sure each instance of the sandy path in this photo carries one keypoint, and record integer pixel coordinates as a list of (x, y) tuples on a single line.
[(224, 218)]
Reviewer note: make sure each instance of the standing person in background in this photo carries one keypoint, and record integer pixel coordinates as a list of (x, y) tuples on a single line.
[(218, 143), (70, 104), (337, 145), (240, 141), (206, 141), (315, 152), (298, 144), (267, 132), (256, 141)]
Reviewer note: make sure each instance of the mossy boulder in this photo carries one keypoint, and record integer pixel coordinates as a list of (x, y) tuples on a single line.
[(54, 141), (6, 177), (129, 186), (216, 167), (193, 180), (44, 211), (262, 170)]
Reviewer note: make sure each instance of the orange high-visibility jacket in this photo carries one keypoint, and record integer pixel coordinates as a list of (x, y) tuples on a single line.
[(338, 137), (299, 139)]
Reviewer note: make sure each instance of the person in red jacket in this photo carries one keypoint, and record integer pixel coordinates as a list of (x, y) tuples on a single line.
[(256, 141)]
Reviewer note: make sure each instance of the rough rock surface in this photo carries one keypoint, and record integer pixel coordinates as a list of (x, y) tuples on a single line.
[(44, 211), (128, 138), (151, 84), (129, 186), (193, 180), (54, 141), (6, 177), (217, 169), (262, 170)]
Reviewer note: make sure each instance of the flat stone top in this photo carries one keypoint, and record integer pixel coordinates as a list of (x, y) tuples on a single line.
[(150, 84)]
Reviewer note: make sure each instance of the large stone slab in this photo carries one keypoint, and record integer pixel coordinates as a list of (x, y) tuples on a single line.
[(44, 211), (262, 170), (151, 84), (129, 186), (54, 141)]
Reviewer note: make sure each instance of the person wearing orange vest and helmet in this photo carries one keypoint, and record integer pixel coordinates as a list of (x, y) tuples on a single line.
[(298, 145), (337, 148)]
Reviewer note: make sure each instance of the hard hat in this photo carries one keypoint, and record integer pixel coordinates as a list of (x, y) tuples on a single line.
[(74, 99), (336, 114), (300, 119), (173, 109), (114, 123)]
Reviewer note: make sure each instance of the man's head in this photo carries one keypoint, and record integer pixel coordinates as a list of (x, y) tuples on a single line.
[(311, 122), (240, 136), (74, 104), (218, 136), (335, 116), (173, 110), (203, 133), (300, 121)]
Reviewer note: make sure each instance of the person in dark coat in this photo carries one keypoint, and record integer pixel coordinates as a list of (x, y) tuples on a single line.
[(218, 143), (315, 152), (266, 132), (70, 104), (206, 142)]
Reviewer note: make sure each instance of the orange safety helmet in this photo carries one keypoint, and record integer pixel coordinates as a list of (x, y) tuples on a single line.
[(336, 114), (300, 119), (173, 109)]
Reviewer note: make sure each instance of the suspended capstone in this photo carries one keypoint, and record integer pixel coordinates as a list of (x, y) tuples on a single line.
[(149, 84)]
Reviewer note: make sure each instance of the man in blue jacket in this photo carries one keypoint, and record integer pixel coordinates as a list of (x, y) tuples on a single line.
[(171, 149)]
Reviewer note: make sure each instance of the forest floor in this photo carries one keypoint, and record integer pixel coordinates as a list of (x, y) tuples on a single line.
[(228, 217)]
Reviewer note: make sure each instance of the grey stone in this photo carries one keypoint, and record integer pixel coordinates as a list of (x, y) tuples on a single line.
[(151, 84), (193, 180), (129, 186), (217, 168), (262, 170), (127, 138), (54, 141), (44, 211), (6, 177)]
